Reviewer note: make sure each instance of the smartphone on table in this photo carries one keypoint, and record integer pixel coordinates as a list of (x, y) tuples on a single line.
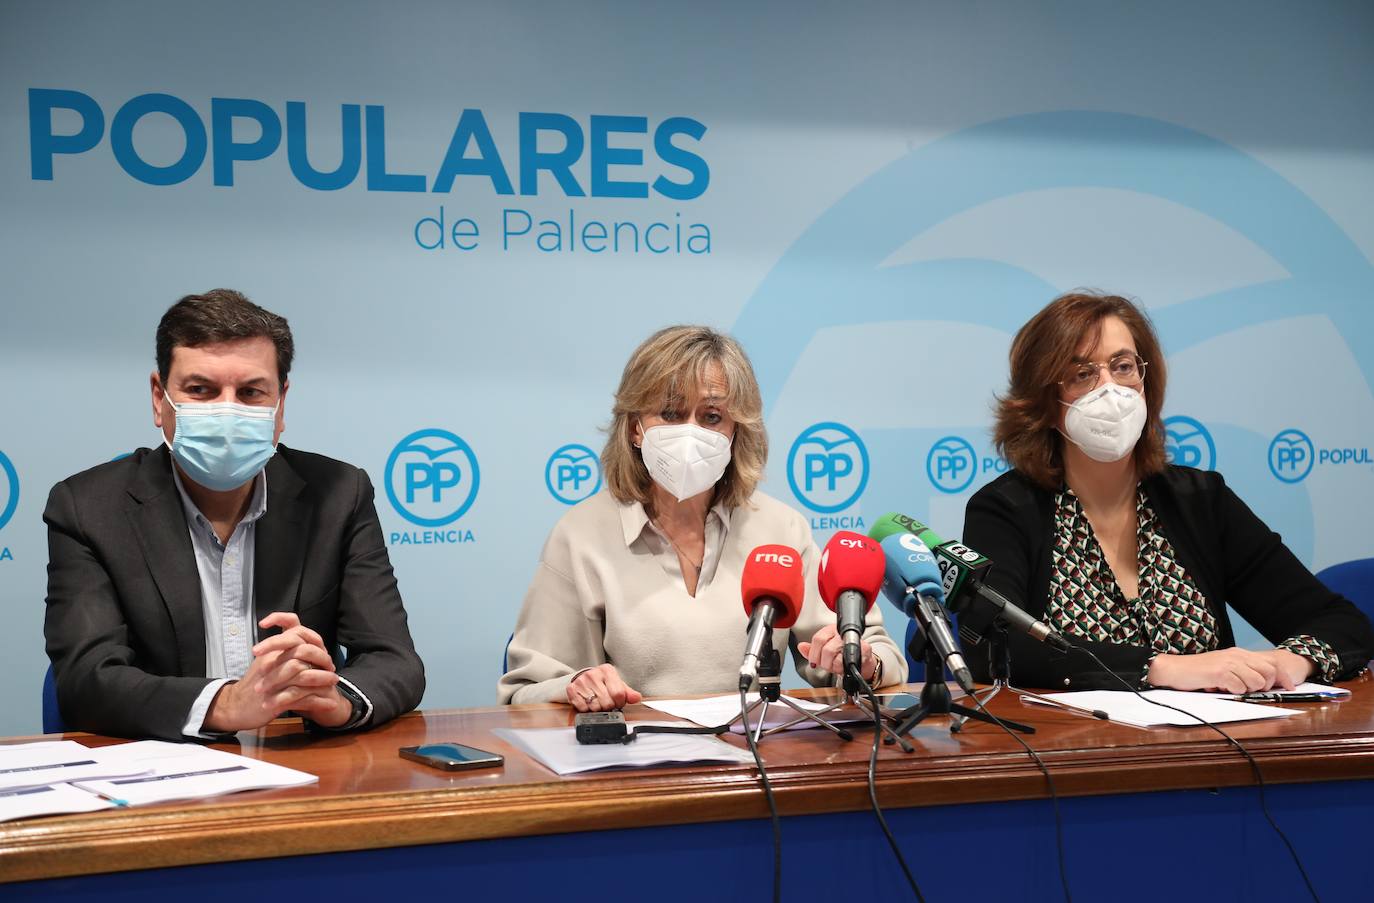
[(898, 702), (451, 756)]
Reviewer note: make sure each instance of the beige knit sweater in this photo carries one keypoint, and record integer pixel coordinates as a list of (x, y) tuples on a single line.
[(609, 588)]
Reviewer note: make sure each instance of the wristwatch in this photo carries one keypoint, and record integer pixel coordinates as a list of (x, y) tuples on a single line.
[(356, 700)]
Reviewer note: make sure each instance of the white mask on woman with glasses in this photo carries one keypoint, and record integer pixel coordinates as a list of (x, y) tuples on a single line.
[(1106, 423)]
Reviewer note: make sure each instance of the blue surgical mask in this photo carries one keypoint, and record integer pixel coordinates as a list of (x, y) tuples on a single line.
[(222, 445)]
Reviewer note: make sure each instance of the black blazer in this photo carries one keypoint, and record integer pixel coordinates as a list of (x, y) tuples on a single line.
[(1228, 551), (124, 625)]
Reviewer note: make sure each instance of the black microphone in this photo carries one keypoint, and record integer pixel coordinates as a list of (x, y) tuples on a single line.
[(963, 573), (979, 605)]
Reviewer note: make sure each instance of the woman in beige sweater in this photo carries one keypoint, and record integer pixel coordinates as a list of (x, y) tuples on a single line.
[(637, 592)]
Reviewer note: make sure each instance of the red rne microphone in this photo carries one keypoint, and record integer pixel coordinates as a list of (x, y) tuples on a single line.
[(851, 576), (772, 587)]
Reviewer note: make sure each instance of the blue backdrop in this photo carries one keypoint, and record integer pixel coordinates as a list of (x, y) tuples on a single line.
[(472, 213)]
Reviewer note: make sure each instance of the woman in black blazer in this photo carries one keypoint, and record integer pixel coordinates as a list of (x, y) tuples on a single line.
[(1127, 555)]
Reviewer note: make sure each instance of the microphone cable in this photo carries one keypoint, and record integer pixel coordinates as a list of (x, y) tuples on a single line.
[(1254, 766), (768, 794), (873, 784), (1054, 795), (632, 735)]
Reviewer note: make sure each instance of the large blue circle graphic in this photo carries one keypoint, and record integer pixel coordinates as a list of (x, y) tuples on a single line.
[(1010, 157)]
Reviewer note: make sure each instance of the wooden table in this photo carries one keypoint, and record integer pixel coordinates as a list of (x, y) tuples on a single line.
[(368, 798)]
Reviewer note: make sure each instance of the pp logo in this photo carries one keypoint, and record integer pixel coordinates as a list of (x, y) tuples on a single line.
[(827, 467), (1187, 443), (432, 477), (1291, 456), (951, 464), (9, 490), (572, 473)]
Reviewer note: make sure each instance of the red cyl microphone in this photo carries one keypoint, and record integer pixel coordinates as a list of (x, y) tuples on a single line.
[(772, 587), (851, 576)]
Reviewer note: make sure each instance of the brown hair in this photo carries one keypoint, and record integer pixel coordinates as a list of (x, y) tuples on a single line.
[(221, 315), (672, 364), (1026, 431)]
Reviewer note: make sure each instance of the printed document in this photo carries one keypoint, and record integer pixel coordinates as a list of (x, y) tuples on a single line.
[(178, 771), (557, 749), (1128, 708), (49, 762)]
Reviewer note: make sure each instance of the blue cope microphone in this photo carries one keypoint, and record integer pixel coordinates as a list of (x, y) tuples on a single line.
[(912, 583)]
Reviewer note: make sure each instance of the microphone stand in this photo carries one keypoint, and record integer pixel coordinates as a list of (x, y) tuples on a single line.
[(999, 667), (770, 691), (936, 700), (850, 685)]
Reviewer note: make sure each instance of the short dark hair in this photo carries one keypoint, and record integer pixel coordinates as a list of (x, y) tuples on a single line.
[(221, 315), (1026, 432)]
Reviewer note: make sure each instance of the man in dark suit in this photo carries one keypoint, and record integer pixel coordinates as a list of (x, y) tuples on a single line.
[(168, 569)]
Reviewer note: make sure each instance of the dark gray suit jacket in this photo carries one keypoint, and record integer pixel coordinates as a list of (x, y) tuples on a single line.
[(125, 628)]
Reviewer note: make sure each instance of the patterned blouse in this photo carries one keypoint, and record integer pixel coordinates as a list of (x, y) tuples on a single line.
[(1170, 614)]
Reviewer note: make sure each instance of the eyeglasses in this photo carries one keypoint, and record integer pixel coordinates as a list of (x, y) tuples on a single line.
[(1125, 369)]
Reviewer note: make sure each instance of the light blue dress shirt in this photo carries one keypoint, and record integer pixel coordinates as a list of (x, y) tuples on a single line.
[(226, 596)]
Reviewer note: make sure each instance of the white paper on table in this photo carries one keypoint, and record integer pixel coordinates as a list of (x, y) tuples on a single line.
[(1128, 708), (154, 750), (557, 749), (54, 799), (713, 711), (48, 762), (179, 771)]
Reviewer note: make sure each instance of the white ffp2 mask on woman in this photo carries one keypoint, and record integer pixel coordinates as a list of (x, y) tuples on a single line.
[(1106, 423), (685, 459)]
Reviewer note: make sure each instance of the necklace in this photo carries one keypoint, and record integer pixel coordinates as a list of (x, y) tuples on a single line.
[(676, 548)]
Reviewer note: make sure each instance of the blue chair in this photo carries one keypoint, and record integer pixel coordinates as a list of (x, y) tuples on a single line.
[(505, 656), (1354, 580), (52, 716)]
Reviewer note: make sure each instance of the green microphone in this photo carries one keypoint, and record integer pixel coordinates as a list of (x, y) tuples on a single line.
[(963, 572), (894, 522)]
